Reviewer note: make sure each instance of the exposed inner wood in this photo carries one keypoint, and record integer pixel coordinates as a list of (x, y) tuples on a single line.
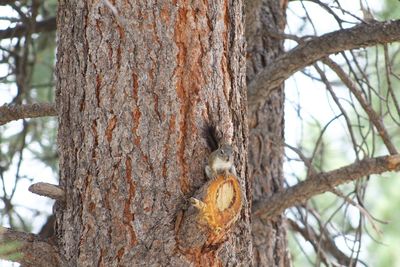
[(225, 196), (212, 214)]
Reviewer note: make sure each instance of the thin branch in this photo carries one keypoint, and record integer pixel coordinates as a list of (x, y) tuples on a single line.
[(310, 51), (307, 161), (48, 190), (322, 242), (17, 112), (339, 105), (322, 182), (362, 210), (375, 118), (390, 89), (28, 249), (47, 25)]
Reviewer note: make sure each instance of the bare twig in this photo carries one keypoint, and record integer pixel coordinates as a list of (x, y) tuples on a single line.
[(17, 112), (338, 104), (321, 242), (29, 249), (307, 161), (48, 190), (372, 115), (390, 88), (361, 209), (310, 51), (322, 182)]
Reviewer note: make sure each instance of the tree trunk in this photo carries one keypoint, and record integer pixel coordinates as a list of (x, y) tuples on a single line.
[(138, 82), (266, 129)]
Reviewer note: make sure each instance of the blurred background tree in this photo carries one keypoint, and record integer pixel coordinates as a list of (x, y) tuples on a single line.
[(28, 150)]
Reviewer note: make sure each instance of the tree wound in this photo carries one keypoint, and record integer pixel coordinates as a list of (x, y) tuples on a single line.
[(213, 212)]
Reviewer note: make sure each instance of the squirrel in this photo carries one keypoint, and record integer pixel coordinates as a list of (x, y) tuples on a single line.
[(221, 159)]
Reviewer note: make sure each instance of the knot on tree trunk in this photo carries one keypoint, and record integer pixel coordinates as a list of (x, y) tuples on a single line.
[(214, 209)]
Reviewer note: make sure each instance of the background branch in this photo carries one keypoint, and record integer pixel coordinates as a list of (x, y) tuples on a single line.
[(322, 182), (30, 249), (17, 112), (373, 116), (310, 51), (322, 242), (47, 25), (6, 2)]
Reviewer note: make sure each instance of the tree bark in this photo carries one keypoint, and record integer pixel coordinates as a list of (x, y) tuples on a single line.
[(266, 130), (138, 82)]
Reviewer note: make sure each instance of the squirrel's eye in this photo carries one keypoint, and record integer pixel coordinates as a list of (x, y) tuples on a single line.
[(222, 152)]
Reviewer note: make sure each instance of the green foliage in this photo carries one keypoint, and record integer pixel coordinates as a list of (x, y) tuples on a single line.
[(391, 10), (10, 251), (383, 201)]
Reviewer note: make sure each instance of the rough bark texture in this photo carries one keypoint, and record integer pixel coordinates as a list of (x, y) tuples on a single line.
[(266, 130), (135, 92)]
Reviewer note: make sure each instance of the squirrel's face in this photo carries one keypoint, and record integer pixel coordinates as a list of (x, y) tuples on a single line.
[(226, 153)]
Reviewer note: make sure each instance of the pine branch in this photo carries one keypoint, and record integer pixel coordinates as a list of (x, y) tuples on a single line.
[(322, 182), (9, 113), (307, 53), (27, 249)]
